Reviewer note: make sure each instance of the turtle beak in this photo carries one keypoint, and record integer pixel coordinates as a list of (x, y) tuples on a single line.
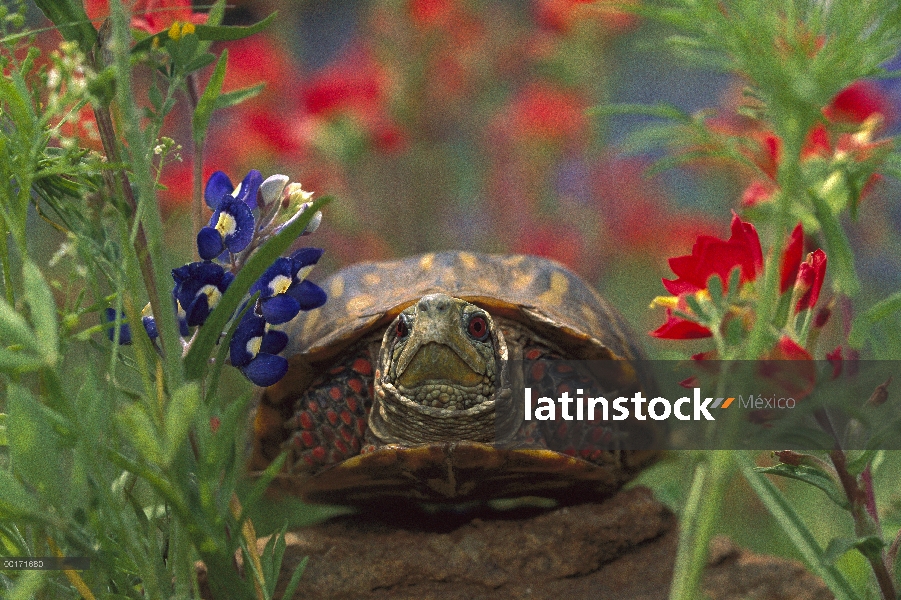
[(438, 349), (433, 361)]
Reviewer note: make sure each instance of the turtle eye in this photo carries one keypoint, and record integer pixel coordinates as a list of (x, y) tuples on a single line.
[(478, 328), (402, 330)]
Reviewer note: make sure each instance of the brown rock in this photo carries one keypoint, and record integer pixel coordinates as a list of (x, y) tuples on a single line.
[(622, 548)]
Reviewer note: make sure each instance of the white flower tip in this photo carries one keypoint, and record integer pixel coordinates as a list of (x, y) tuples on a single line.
[(271, 189)]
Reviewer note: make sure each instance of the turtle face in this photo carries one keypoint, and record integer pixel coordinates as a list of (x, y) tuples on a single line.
[(439, 373), (442, 354)]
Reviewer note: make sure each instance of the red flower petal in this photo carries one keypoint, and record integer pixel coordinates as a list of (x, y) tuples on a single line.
[(810, 279), (795, 379), (857, 102), (791, 259), (712, 256), (676, 328)]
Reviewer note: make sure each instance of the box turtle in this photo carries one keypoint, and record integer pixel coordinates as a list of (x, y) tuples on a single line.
[(409, 385)]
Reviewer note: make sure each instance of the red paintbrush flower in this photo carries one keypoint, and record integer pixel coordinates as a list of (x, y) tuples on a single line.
[(711, 256), (677, 328), (791, 259), (810, 280), (151, 16)]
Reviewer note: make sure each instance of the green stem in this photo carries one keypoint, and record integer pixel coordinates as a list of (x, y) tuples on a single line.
[(702, 511), (788, 179), (149, 240), (197, 195), (7, 273), (863, 523)]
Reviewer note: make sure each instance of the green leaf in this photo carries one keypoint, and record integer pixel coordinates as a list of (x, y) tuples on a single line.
[(139, 428), (208, 33), (18, 105), (43, 311), (837, 547), (14, 361), (295, 578), (814, 477), (34, 448), (715, 289), (207, 103), (15, 500), (199, 62), (858, 465), (4, 438), (838, 248), (797, 531), (663, 111), (14, 329), (883, 309), (71, 19), (227, 33), (238, 96), (180, 414), (696, 307), (196, 358)]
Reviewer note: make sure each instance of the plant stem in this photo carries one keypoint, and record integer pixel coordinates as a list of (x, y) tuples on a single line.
[(7, 274), (197, 167), (702, 511), (863, 524)]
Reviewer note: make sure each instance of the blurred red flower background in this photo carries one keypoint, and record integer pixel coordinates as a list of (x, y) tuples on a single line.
[(443, 124)]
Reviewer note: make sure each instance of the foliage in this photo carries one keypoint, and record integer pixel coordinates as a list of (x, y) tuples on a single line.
[(806, 131), (132, 459)]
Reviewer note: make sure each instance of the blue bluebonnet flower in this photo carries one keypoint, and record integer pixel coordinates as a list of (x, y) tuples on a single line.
[(232, 224), (198, 288), (125, 335), (110, 317), (284, 290), (254, 350), (150, 324), (219, 185), (231, 227)]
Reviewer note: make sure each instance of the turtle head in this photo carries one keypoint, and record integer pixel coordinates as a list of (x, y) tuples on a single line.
[(441, 372)]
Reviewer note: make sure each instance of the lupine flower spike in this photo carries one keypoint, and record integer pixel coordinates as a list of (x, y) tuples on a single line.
[(233, 234)]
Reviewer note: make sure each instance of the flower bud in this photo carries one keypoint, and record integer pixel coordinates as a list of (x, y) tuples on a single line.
[(810, 280)]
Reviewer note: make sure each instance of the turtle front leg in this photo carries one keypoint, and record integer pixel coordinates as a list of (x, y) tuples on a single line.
[(330, 419)]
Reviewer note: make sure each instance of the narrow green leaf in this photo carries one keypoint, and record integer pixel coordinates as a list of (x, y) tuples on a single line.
[(139, 428), (814, 477), (837, 547), (4, 439), (838, 248), (797, 531), (207, 103), (199, 62), (15, 501), (238, 96), (14, 329), (12, 361), (227, 33), (695, 306), (34, 448), (217, 12), (180, 414), (858, 465), (663, 111), (43, 311), (883, 309), (17, 104), (715, 289), (71, 19), (295, 578), (196, 358)]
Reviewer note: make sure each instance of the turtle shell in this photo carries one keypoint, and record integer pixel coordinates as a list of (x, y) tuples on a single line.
[(540, 294)]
